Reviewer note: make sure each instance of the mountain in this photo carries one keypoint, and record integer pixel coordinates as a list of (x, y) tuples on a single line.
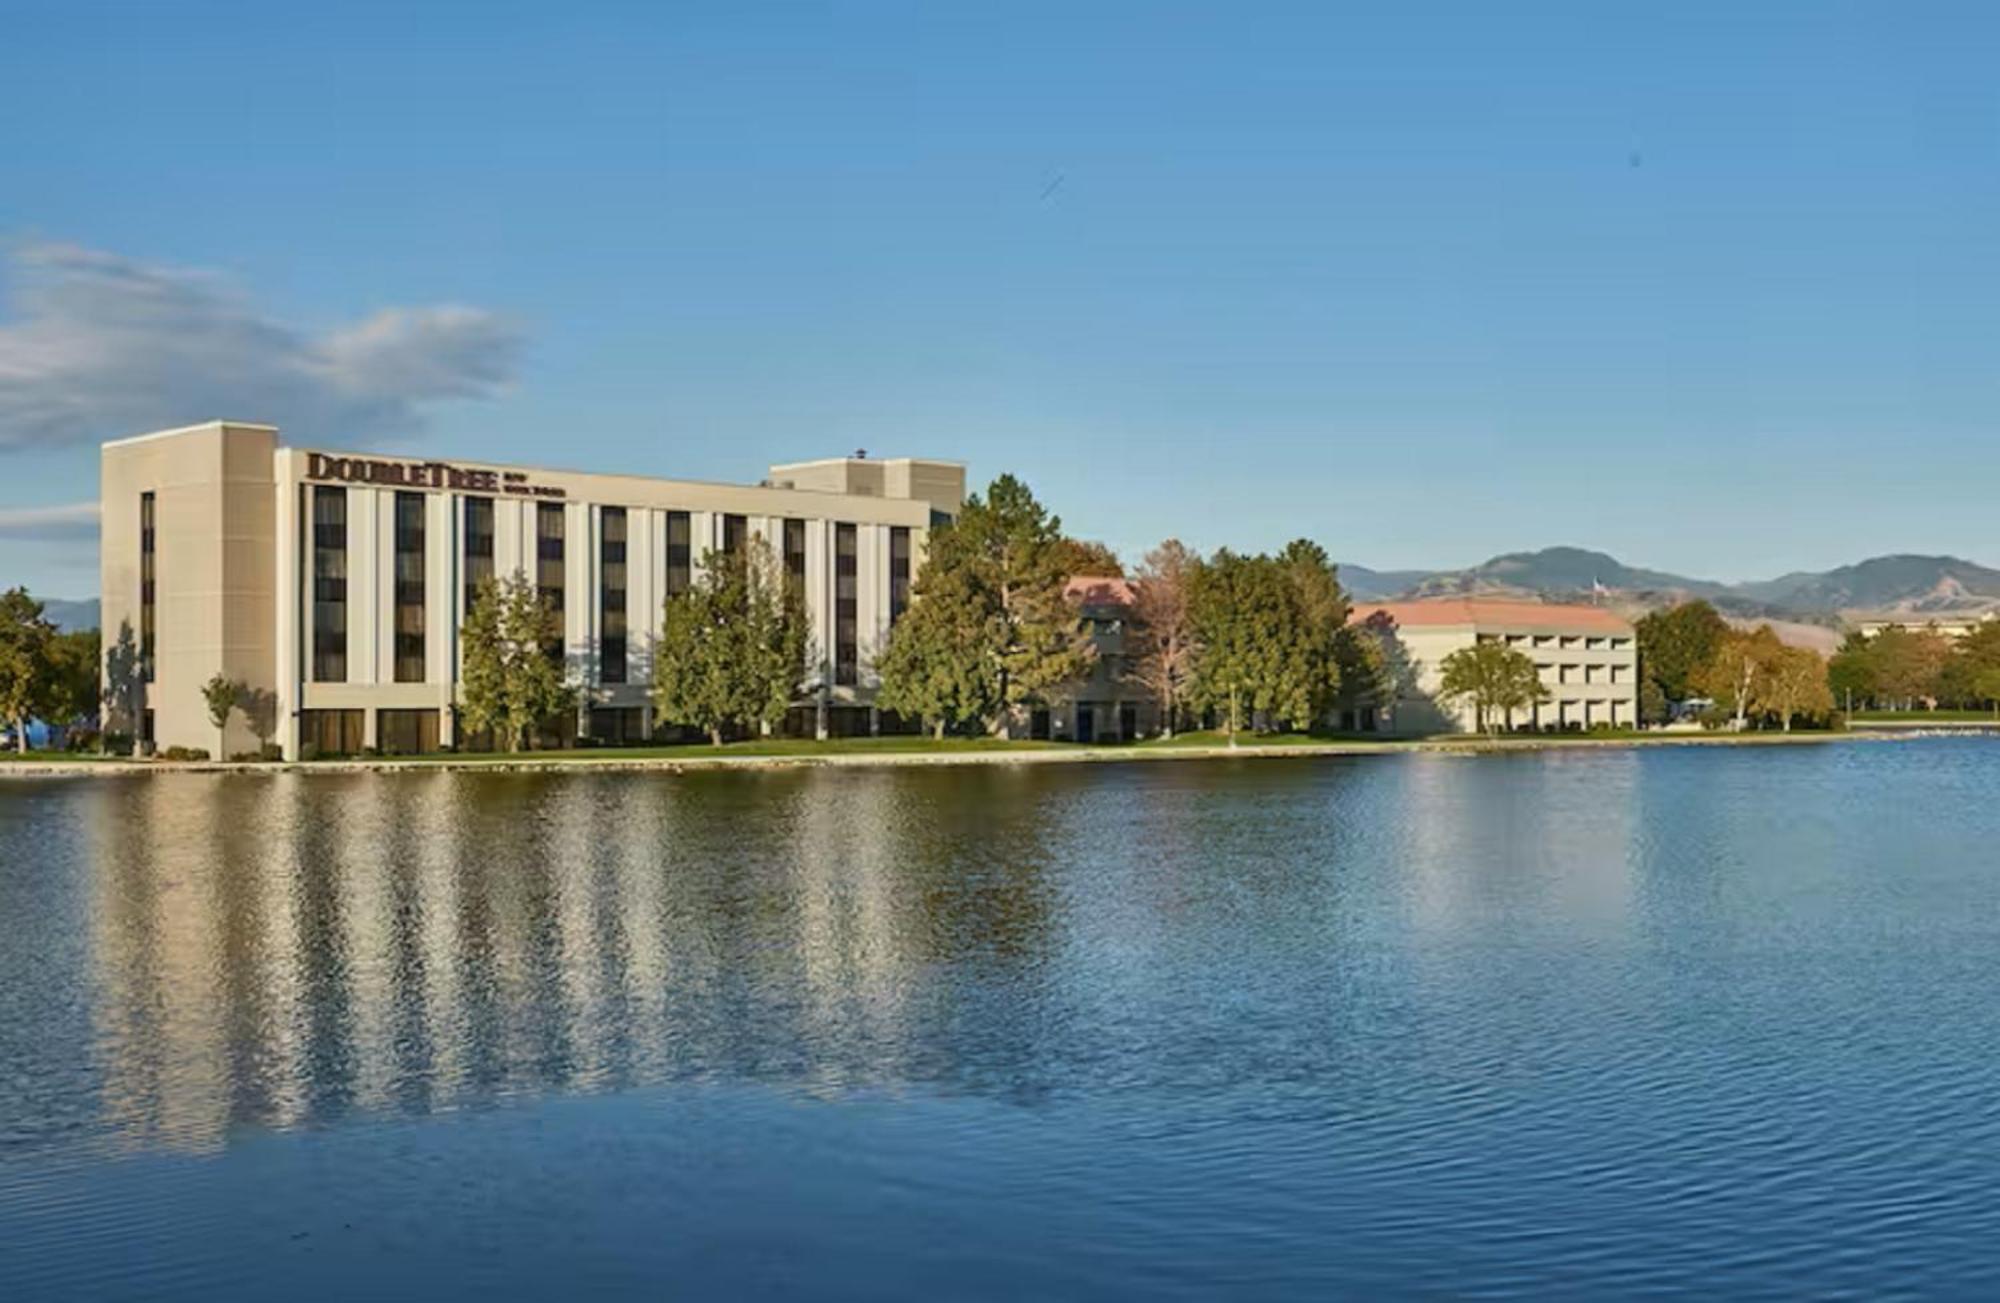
[(1910, 585), (1906, 584), (67, 615)]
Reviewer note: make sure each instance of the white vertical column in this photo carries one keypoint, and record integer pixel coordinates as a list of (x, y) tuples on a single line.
[(871, 606), (642, 595), (363, 558), (440, 597), (702, 529), (819, 595), (294, 587)]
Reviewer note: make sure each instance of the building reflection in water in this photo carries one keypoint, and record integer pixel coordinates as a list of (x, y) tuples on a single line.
[(284, 951)]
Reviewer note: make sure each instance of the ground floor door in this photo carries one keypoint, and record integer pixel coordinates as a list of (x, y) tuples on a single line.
[(1128, 722), (1086, 724)]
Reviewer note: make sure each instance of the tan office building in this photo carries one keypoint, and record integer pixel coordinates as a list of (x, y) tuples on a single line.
[(1587, 656), (337, 582)]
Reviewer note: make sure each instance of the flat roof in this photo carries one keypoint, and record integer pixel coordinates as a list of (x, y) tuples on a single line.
[(1473, 612)]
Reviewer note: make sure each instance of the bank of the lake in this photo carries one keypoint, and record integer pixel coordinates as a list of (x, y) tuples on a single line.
[(917, 751)]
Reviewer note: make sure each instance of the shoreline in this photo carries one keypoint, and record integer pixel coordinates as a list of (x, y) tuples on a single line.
[(543, 762)]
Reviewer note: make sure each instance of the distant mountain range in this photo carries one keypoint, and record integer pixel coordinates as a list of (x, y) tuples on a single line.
[(1912, 586), (71, 615)]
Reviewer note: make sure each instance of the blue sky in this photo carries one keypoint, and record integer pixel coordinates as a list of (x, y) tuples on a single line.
[(1715, 287)]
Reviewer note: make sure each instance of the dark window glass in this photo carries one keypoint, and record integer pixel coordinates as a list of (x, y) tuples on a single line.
[(478, 547), (147, 591), (680, 557), (549, 568), (735, 532), (410, 587), (329, 534), (611, 596), (795, 550), (899, 571), (846, 624)]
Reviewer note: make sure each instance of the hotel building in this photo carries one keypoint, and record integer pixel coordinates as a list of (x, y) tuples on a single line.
[(1587, 656), (335, 584)]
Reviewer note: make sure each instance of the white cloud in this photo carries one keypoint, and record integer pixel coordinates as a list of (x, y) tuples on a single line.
[(73, 522), (101, 346)]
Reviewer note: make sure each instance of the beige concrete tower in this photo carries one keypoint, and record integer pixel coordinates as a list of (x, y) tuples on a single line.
[(201, 501)]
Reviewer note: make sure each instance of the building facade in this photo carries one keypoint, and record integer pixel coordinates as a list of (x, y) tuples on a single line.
[(333, 585), (1107, 704), (1588, 659)]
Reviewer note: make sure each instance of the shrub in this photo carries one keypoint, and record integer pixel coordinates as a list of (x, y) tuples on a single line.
[(308, 750), (184, 753), (117, 744), (81, 739), (271, 751)]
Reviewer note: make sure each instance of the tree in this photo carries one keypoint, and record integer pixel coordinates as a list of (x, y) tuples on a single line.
[(1738, 677), (732, 648), (221, 695), (1075, 556), (1798, 686), (1160, 635), (1375, 667), (1494, 679), (1266, 658), (508, 682), (1850, 673), (939, 664), (70, 690), (1908, 663), (1323, 612), (1002, 568), (1674, 645), (1986, 687), (25, 636)]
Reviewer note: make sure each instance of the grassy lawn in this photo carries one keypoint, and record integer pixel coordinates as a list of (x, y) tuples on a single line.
[(761, 748), (1218, 738), (44, 755)]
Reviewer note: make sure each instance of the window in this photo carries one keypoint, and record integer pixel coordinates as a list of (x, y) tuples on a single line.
[(406, 732), (899, 571), (680, 559), (410, 587), (846, 624), (611, 595), (478, 547), (148, 594), (735, 530), (795, 551), (329, 536), (549, 568)]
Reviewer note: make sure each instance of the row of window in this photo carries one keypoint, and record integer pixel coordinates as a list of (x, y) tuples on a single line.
[(329, 578), (1586, 673), (1587, 642)]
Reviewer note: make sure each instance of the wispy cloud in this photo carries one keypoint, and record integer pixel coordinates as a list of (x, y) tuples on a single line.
[(71, 523), (100, 345)]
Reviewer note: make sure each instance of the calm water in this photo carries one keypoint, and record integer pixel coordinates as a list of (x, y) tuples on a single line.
[(1561, 1024)]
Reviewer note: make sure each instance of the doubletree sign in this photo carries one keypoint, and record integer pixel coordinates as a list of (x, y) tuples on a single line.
[(424, 475)]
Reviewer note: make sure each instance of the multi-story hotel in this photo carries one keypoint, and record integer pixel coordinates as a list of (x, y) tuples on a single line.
[(335, 584), (1587, 656)]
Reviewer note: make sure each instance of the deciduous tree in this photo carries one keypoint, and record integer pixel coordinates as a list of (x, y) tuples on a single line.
[(1674, 645), (508, 682), (732, 648), (1798, 686), (25, 636), (220, 695), (1160, 635), (1494, 679)]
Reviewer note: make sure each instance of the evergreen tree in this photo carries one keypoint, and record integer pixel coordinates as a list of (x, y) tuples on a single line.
[(1264, 661), (70, 690), (1494, 679), (1010, 634), (25, 637), (732, 648), (508, 682)]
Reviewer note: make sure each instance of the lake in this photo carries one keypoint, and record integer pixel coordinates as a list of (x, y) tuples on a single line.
[(1616, 1021)]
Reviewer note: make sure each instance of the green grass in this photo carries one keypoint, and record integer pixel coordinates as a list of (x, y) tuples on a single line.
[(763, 748), (44, 755)]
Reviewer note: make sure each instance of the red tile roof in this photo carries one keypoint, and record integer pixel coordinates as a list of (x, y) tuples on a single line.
[(1482, 612), (1099, 590)]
